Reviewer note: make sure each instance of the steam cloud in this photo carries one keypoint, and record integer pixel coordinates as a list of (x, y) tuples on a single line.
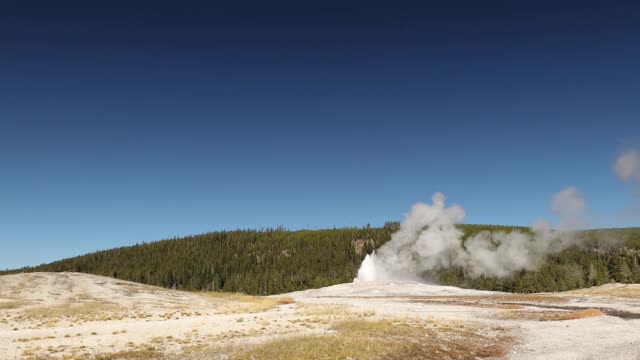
[(571, 208), (627, 168), (428, 239), (627, 165)]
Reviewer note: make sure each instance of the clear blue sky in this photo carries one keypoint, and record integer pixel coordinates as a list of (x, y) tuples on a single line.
[(137, 121)]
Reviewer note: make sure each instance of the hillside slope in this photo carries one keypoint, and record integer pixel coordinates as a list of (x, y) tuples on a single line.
[(276, 261)]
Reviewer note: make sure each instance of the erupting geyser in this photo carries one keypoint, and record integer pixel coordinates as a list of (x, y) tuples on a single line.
[(372, 269), (367, 271), (428, 239)]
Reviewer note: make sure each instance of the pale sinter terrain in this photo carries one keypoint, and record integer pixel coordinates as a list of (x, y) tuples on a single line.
[(81, 316)]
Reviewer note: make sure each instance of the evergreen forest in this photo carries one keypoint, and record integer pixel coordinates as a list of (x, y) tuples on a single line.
[(273, 261)]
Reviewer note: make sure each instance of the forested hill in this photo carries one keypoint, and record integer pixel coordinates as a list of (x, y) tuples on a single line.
[(277, 260)]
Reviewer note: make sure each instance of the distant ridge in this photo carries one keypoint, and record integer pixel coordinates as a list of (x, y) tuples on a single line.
[(275, 261)]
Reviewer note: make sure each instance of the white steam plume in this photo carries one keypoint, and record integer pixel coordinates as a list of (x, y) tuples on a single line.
[(627, 165), (429, 239), (571, 208), (627, 168)]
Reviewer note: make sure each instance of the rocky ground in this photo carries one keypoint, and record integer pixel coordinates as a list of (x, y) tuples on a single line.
[(71, 315)]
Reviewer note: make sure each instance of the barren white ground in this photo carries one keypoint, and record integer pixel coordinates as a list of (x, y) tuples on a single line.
[(69, 314)]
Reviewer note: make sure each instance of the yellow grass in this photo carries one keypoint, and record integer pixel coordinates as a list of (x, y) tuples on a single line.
[(546, 298), (626, 291), (458, 302), (551, 315), (383, 339), (88, 311), (324, 310), (573, 315), (144, 354), (135, 354), (235, 303), (12, 304)]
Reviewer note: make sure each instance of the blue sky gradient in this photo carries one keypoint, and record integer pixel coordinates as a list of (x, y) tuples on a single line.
[(137, 121)]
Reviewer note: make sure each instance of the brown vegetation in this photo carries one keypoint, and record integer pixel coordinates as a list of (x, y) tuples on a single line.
[(383, 339), (241, 303), (87, 311), (546, 298), (471, 303), (617, 290), (12, 304), (493, 301), (551, 315)]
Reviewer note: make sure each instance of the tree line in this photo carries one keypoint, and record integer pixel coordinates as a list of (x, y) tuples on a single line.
[(272, 261)]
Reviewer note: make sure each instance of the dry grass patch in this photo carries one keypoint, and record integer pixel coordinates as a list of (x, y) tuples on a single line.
[(234, 303), (499, 298), (457, 302), (12, 304), (88, 311), (384, 339), (509, 306), (137, 354), (493, 301), (25, 285), (323, 310), (551, 315), (617, 290)]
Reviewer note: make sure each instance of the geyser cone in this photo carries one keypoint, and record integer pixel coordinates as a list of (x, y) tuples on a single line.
[(374, 269), (367, 271)]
